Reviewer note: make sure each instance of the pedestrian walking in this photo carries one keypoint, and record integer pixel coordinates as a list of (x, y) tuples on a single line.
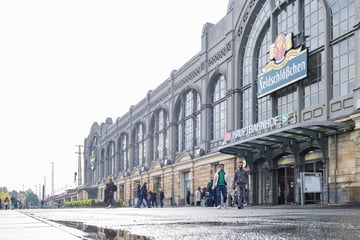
[(210, 193), (139, 195), (161, 198), (110, 189), (220, 185), (6, 203), (241, 179), (145, 194), (154, 199), (13, 202), (188, 197), (198, 197)]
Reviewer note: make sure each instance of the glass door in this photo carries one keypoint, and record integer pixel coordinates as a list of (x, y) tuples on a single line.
[(187, 191), (286, 184)]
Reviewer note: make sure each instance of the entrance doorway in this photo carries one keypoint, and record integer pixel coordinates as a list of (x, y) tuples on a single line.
[(313, 163), (187, 188), (286, 184)]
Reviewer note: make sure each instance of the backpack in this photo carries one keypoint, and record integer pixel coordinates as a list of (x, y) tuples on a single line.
[(148, 196), (114, 188)]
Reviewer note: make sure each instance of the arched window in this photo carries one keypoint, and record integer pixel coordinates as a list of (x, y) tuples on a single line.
[(249, 73), (123, 153), (102, 164), (188, 120), (139, 149), (218, 100), (264, 103), (342, 46), (159, 141), (110, 160), (93, 164)]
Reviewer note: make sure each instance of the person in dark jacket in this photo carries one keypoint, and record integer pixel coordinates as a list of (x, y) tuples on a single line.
[(140, 199), (211, 193), (110, 188), (240, 182), (161, 197), (144, 194)]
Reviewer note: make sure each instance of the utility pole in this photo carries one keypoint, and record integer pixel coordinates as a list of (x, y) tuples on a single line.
[(43, 192), (52, 178), (79, 173)]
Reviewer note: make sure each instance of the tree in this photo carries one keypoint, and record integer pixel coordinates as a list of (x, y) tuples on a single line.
[(15, 194), (32, 198), (3, 189)]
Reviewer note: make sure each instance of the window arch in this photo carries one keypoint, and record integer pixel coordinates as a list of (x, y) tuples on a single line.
[(188, 121), (102, 164), (342, 46), (123, 161), (218, 101), (159, 138), (264, 103), (110, 160), (93, 163), (139, 146), (248, 73)]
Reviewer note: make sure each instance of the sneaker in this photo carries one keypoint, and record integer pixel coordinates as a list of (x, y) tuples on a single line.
[(225, 206), (219, 206), (109, 206)]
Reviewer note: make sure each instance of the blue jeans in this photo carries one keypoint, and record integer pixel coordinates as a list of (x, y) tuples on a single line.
[(140, 201), (220, 190)]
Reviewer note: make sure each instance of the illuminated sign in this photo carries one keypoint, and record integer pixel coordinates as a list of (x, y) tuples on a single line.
[(287, 65), (261, 127)]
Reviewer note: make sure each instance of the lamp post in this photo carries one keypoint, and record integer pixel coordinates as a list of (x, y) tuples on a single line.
[(52, 178)]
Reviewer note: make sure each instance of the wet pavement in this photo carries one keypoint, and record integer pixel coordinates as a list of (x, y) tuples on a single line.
[(253, 222), (15, 225)]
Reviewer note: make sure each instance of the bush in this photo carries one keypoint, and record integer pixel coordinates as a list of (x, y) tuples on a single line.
[(81, 203), (120, 203), (91, 203)]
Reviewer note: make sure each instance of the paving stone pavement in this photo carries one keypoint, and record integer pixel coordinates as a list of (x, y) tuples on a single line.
[(253, 222)]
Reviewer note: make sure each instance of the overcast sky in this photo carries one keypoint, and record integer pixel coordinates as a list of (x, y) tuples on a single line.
[(69, 63)]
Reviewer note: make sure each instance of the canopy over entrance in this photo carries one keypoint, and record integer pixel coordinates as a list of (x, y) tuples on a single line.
[(295, 133)]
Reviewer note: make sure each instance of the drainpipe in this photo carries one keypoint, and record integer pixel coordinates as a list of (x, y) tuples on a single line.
[(335, 167)]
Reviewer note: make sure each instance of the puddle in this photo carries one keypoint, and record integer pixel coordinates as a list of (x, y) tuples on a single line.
[(245, 229), (94, 232)]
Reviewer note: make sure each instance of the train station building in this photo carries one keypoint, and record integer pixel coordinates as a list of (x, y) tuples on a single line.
[(275, 84)]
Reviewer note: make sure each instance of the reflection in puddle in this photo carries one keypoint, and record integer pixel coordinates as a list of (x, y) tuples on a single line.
[(294, 228), (94, 232)]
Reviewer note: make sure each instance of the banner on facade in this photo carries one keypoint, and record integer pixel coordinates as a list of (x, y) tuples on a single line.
[(287, 65)]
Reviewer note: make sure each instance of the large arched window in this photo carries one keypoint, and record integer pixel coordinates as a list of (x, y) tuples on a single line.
[(139, 148), (110, 159), (342, 46), (314, 29), (188, 121), (218, 100), (123, 153), (92, 166), (264, 103), (102, 169), (159, 139), (249, 73)]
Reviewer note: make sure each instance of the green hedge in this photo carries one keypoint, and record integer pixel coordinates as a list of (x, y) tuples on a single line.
[(81, 203), (90, 203)]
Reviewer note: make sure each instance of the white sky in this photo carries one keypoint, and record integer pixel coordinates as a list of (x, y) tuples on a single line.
[(69, 63)]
